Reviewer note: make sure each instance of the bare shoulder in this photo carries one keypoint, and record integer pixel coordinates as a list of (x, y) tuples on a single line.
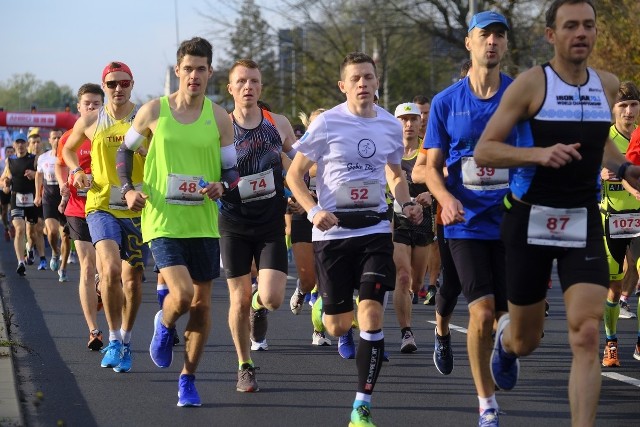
[(610, 83), (281, 121), (219, 111), (525, 95)]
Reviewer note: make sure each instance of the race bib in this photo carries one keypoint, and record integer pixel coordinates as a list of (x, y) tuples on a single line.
[(566, 228), (475, 177), (624, 226), (258, 186), (82, 192), (115, 198), (183, 190), (358, 195), (24, 200), (50, 179)]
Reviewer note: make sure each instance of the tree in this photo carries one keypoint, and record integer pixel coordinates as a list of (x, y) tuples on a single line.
[(22, 91)]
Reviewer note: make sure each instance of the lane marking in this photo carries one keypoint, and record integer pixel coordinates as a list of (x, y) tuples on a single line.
[(454, 327)]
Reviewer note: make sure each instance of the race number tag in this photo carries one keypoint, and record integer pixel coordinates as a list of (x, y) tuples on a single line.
[(566, 228), (24, 200), (115, 198), (183, 190), (50, 179), (481, 178), (258, 186), (624, 226), (82, 192), (358, 195)]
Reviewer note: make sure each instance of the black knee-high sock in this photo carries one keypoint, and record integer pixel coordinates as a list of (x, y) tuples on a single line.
[(369, 359)]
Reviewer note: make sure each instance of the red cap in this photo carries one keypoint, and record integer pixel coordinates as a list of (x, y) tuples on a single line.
[(116, 66)]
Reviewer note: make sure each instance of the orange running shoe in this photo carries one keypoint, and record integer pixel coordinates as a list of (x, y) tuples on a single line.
[(610, 358)]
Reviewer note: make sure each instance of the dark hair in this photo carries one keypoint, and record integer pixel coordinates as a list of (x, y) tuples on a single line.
[(627, 91), (247, 63), (90, 88), (553, 10), (421, 99), (356, 58), (197, 46), (464, 68)]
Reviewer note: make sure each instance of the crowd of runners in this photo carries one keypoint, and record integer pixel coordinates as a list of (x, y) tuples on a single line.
[(478, 191)]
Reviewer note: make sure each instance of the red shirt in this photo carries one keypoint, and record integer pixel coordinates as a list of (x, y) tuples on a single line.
[(633, 151), (76, 204)]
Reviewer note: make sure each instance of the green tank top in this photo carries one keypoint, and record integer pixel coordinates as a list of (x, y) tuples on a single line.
[(179, 155), (614, 197)]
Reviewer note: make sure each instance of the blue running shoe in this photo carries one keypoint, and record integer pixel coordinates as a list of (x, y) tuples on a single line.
[(113, 354), (488, 418), (505, 368), (43, 264), (346, 346), (187, 393), (442, 353), (54, 264), (161, 347), (125, 360)]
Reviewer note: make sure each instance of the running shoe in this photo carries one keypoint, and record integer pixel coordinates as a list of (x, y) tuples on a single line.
[(610, 358), (43, 264), (112, 354), (346, 346), (546, 308), (297, 301), (408, 343), (161, 347), (505, 368), (62, 275), (95, 340), (320, 339), (414, 298), (54, 264), (488, 418), (247, 379), (636, 354), (313, 297), (73, 258), (187, 392), (21, 270), (385, 356), (422, 293), (442, 353), (259, 323), (30, 257), (361, 417), (125, 360), (430, 299), (176, 340), (625, 311), (638, 289)]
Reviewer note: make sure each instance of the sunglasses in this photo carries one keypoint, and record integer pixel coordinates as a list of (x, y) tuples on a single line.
[(112, 84)]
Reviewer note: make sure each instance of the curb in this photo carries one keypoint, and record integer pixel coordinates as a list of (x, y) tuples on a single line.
[(10, 411)]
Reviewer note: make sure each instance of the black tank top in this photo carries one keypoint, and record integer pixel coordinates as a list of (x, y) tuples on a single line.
[(17, 167)]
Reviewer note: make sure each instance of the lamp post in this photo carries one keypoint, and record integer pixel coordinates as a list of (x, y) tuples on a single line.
[(363, 33)]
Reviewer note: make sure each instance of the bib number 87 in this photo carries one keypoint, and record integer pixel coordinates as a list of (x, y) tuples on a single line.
[(554, 222)]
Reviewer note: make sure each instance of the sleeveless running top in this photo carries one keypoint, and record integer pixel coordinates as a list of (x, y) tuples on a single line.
[(17, 167), (614, 197), (260, 168), (46, 166), (179, 156), (401, 222), (104, 194), (568, 114)]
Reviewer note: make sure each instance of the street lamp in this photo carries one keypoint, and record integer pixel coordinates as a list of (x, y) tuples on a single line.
[(363, 33)]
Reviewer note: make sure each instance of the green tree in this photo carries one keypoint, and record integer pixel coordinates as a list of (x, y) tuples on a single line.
[(22, 91)]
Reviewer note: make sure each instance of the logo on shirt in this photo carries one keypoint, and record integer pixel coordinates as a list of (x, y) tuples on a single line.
[(366, 148)]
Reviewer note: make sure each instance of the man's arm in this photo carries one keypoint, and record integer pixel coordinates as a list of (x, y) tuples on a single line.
[(400, 190), (286, 133), (452, 209), (82, 129), (419, 171), (39, 179)]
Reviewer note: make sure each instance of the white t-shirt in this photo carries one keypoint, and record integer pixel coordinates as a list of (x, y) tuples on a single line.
[(46, 165), (351, 153)]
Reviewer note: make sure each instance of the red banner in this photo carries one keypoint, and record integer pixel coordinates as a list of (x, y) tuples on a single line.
[(42, 120)]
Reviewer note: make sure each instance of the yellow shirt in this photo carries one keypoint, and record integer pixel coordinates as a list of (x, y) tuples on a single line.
[(104, 194)]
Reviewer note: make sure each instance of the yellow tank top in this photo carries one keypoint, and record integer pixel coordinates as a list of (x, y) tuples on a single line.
[(614, 196), (104, 194)]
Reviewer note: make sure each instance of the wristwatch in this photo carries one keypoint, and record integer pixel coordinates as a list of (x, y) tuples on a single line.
[(76, 170), (410, 203)]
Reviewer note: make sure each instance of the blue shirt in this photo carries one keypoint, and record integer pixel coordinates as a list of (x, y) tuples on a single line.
[(456, 120)]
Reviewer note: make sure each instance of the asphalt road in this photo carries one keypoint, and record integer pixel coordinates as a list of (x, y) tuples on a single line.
[(300, 385)]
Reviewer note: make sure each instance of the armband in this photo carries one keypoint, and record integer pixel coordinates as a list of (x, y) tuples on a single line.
[(622, 170), (133, 140), (228, 156), (312, 212)]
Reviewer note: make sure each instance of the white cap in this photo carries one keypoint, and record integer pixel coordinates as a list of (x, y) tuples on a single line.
[(407, 108)]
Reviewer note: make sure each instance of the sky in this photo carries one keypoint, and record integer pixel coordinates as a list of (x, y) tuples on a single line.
[(69, 42)]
